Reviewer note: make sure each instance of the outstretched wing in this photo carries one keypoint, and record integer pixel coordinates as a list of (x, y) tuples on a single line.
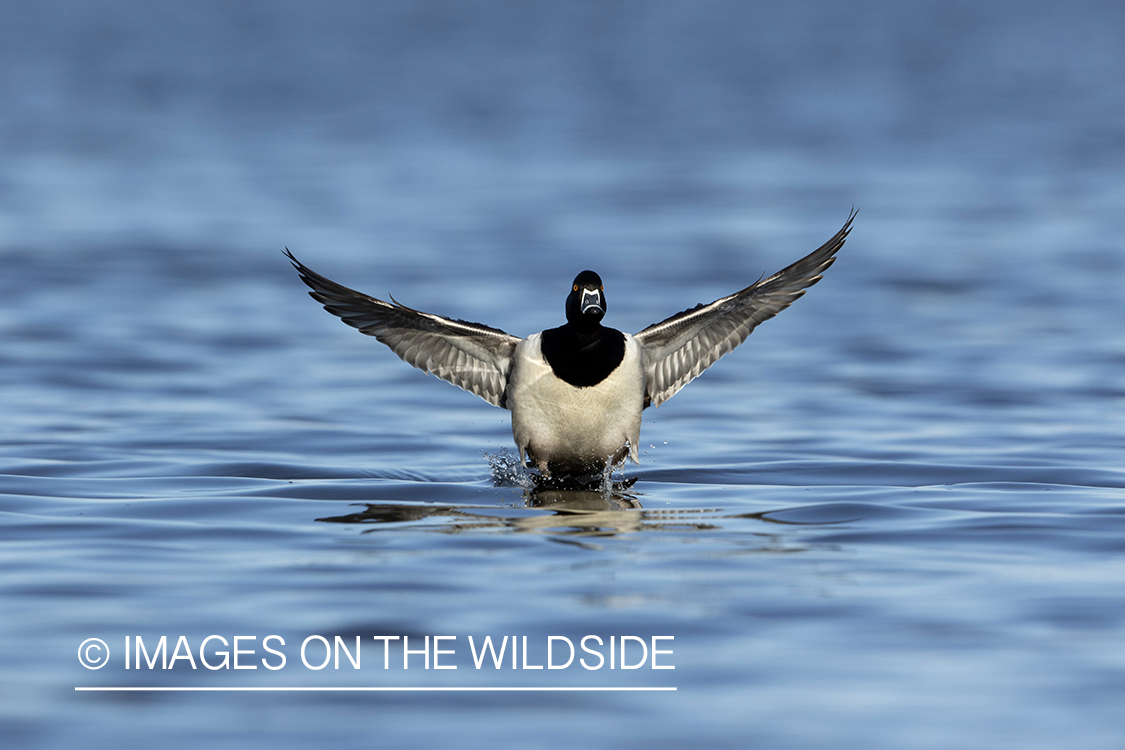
[(678, 349), (469, 355)]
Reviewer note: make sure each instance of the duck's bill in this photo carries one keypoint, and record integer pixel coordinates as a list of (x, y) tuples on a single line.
[(592, 303)]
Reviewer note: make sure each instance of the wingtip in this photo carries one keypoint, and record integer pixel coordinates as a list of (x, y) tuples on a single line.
[(293, 259)]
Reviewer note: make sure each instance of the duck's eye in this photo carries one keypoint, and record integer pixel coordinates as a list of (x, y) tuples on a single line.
[(601, 288), (576, 287)]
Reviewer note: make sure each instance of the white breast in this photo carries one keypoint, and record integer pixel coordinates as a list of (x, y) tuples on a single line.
[(558, 423)]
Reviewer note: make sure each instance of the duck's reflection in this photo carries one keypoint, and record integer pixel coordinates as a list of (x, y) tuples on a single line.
[(565, 512)]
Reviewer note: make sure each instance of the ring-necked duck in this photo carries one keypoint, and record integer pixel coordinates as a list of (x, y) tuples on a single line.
[(576, 392)]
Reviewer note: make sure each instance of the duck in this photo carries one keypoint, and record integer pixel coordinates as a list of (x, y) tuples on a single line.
[(576, 393)]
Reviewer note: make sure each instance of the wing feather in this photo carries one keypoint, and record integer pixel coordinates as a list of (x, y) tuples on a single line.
[(472, 356), (679, 349)]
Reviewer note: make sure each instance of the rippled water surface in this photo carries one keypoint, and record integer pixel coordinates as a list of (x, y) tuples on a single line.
[(894, 518)]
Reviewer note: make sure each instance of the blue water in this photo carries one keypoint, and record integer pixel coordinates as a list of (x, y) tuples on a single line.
[(894, 518)]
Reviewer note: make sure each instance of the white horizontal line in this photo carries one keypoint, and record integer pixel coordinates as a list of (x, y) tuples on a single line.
[(369, 689)]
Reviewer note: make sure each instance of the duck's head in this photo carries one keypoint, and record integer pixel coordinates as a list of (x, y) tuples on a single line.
[(585, 305)]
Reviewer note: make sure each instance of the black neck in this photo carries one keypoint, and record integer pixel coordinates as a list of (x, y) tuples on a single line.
[(583, 355)]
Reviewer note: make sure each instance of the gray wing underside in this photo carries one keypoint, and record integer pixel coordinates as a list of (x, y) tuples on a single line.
[(678, 349), (468, 355)]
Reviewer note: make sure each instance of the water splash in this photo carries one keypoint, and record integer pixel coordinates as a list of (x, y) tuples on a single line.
[(508, 471), (609, 486)]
